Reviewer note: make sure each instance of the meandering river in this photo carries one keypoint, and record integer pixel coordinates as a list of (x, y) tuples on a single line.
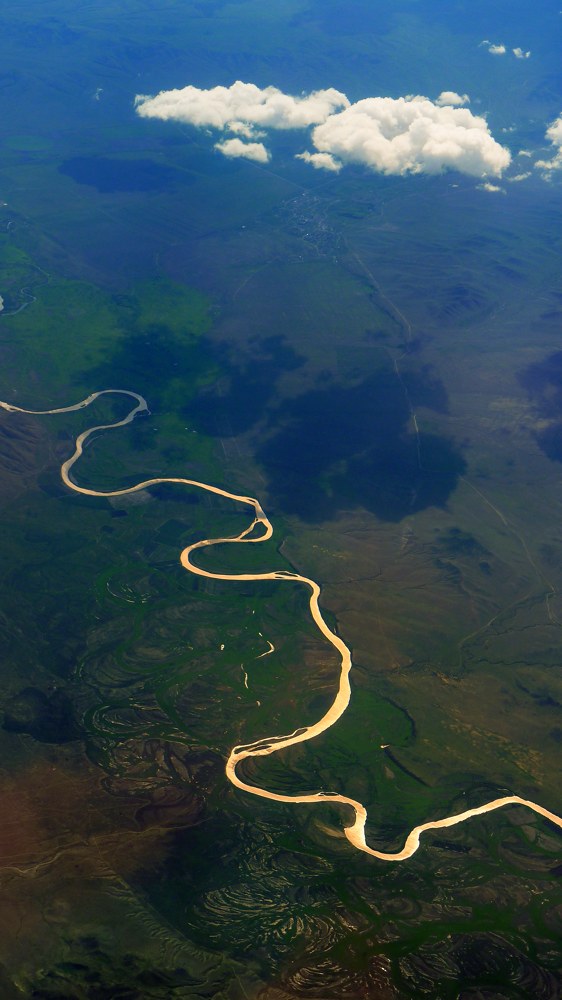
[(259, 530)]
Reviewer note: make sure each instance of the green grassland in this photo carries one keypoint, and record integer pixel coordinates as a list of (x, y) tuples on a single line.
[(74, 327), (136, 642)]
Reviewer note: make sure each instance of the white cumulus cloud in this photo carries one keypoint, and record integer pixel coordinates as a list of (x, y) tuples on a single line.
[(499, 49), (247, 150), (241, 102), (554, 133), (449, 97), (390, 135), (496, 50), (242, 128), (411, 135), (492, 188), (320, 161)]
